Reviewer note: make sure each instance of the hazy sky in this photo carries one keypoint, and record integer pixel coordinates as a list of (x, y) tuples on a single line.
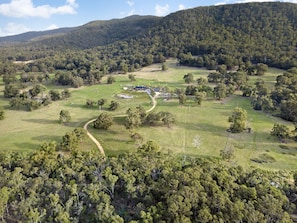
[(18, 16)]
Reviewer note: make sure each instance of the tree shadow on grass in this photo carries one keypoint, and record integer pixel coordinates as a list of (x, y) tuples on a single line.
[(42, 121), (205, 127), (46, 138), (25, 146)]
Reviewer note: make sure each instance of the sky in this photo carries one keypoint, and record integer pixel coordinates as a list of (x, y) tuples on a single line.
[(19, 16)]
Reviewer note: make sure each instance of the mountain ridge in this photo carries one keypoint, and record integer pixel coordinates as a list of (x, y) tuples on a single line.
[(227, 34)]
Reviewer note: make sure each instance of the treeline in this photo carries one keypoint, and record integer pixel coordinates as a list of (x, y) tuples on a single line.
[(147, 186)]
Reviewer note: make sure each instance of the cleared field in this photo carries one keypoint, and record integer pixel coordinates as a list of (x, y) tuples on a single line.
[(25, 131), (207, 124)]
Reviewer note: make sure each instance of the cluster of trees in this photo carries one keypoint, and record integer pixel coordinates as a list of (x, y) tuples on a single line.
[(283, 133), (33, 98), (138, 116), (281, 100), (101, 102), (146, 186)]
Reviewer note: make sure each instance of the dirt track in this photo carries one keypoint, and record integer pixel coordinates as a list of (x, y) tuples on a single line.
[(97, 143)]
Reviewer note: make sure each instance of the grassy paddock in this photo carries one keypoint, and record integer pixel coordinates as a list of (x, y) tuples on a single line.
[(24, 131)]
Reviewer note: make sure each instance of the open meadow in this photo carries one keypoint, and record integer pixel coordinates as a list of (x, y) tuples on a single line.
[(198, 131)]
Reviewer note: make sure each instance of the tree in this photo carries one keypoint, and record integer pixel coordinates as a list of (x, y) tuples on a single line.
[(65, 94), (166, 117), (77, 82), (113, 105), (11, 90), (247, 90), (124, 67), (111, 79), (80, 133), (69, 142), (149, 147), (164, 67), (151, 118), (133, 119), (280, 131), (238, 120), (4, 197), (64, 116), (90, 103), (227, 153), (104, 121), (222, 69), (182, 98), (201, 81), (188, 78), (16, 103), (37, 89), (136, 137), (101, 102), (132, 77), (199, 96), (261, 69), (55, 95), (2, 114), (220, 91)]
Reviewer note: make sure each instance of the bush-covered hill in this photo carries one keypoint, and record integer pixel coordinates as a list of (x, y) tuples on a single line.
[(227, 34)]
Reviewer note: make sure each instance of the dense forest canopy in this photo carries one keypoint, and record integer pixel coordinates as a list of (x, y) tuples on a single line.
[(147, 186)]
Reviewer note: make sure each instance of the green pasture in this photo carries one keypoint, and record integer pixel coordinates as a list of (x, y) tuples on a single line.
[(24, 131)]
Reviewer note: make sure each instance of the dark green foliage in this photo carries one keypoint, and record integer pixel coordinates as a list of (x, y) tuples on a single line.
[(65, 94), (220, 91), (199, 96), (182, 98), (55, 95), (164, 67), (69, 142), (147, 186), (2, 114), (37, 89), (64, 116), (77, 82), (100, 103), (113, 106), (163, 118), (238, 120), (132, 77), (90, 103), (227, 153), (11, 90), (111, 80), (104, 121), (133, 119), (280, 131), (188, 78)]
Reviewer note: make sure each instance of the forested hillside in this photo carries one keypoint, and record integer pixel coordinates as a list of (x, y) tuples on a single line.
[(227, 34)]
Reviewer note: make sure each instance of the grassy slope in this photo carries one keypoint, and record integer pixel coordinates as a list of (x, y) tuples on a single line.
[(26, 130)]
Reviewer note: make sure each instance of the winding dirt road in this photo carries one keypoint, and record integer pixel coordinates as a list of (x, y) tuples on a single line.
[(97, 143)]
